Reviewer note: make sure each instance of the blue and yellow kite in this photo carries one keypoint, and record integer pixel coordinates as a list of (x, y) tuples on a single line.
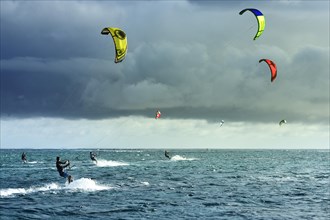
[(260, 18)]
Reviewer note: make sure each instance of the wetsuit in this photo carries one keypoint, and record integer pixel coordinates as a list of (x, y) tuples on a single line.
[(24, 157), (93, 157), (167, 154), (60, 168)]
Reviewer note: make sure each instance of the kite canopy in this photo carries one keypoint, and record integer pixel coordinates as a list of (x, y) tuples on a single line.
[(282, 122), (260, 18), (272, 67), (120, 41)]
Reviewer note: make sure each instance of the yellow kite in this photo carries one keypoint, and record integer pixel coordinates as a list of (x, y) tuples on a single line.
[(120, 41)]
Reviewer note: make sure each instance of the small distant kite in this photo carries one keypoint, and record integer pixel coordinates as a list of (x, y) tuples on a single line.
[(272, 67), (260, 18), (158, 114), (120, 41), (282, 122), (222, 122)]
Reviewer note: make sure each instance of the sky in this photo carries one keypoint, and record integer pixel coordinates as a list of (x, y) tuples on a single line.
[(195, 61)]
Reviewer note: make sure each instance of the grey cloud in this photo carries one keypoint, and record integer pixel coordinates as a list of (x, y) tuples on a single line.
[(54, 29), (283, 4), (176, 63), (73, 89)]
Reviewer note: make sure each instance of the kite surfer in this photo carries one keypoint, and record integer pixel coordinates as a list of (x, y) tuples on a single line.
[(158, 114), (167, 154), (93, 156), (60, 165), (24, 157)]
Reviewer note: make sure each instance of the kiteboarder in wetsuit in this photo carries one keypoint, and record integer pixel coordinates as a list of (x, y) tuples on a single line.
[(60, 165), (93, 156), (167, 154), (24, 157)]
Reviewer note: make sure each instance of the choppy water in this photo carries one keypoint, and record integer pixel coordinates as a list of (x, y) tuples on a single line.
[(143, 184)]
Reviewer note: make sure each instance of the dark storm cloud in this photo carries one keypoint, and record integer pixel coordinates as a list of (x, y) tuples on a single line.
[(299, 4), (62, 67)]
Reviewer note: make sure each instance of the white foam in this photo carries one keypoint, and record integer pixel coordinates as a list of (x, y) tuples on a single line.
[(11, 191), (145, 183), (32, 162), (129, 151), (86, 184), (21, 191), (82, 184), (178, 157), (110, 163)]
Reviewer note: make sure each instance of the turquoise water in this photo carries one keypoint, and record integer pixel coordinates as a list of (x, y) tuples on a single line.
[(143, 184)]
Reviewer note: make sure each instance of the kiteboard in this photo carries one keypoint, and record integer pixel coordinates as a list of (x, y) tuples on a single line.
[(70, 179)]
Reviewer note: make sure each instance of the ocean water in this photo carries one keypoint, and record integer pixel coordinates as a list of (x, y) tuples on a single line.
[(144, 184)]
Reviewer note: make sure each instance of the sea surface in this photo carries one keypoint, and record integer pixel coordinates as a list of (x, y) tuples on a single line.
[(144, 184)]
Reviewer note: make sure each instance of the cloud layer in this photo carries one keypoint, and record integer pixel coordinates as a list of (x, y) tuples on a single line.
[(191, 60)]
